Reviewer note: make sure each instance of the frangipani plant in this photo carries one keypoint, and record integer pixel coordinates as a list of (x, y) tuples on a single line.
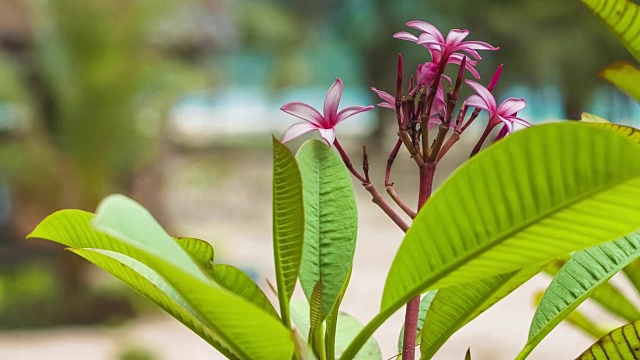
[(512, 210)]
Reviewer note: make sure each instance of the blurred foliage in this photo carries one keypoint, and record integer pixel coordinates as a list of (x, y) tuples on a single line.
[(89, 94)]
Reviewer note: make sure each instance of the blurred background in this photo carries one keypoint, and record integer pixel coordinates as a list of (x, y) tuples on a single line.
[(173, 104)]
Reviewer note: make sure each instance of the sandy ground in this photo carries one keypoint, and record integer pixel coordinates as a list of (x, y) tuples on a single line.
[(228, 203)]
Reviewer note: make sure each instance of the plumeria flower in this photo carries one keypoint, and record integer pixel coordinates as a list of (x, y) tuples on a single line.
[(314, 121), (505, 113), (449, 48), (389, 101)]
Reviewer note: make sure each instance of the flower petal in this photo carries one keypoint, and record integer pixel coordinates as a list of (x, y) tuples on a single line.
[(517, 120), (328, 135), (504, 131), (331, 103), (477, 101), (479, 45), (511, 106), (304, 112), (455, 36), (386, 105), (350, 111), (385, 96), (403, 35), (427, 28), (505, 121), (469, 64), (484, 94), (296, 130)]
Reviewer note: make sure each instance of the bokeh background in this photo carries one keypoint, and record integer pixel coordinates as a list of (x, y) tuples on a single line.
[(173, 104)]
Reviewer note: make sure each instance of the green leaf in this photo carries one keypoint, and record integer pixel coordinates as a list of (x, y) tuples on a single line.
[(591, 118), (156, 289), (632, 133), (455, 306), (425, 304), (201, 251), (331, 222), (625, 77), (621, 17), (332, 321), (539, 194), (288, 224), (348, 328), (227, 276), (239, 283), (578, 279), (125, 227), (610, 297), (632, 272), (620, 344)]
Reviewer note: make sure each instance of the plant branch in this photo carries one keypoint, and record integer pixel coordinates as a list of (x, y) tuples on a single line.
[(376, 197)]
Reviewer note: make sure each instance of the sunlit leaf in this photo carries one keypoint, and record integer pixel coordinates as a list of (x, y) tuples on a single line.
[(620, 344), (621, 17), (124, 227), (625, 76)]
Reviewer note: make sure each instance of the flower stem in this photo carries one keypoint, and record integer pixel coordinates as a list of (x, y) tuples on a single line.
[(376, 197), (427, 173)]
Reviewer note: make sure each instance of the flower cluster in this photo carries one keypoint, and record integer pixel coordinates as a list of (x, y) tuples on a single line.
[(426, 100)]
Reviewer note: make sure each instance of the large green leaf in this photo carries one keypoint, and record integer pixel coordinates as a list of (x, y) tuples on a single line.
[(123, 226), (201, 251), (537, 195), (625, 76), (621, 344), (331, 222), (288, 224), (621, 17), (155, 288), (455, 306), (578, 279)]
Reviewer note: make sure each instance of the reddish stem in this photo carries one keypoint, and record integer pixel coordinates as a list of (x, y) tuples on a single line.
[(427, 173)]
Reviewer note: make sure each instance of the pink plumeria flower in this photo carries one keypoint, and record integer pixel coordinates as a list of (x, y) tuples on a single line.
[(449, 48), (314, 121), (505, 113), (389, 101)]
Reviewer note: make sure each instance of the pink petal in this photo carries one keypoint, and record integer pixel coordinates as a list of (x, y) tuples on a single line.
[(328, 135), (457, 59), (511, 106), (517, 120), (477, 101), (506, 123), (331, 103), (455, 36), (403, 35), (486, 96), (350, 111), (296, 130), (479, 45), (386, 105), (384, 96), (430, 41), (304, 112), (427, 28)]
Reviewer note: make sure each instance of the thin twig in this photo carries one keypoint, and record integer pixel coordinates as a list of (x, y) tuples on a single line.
[(392, 193), (413, 150)]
